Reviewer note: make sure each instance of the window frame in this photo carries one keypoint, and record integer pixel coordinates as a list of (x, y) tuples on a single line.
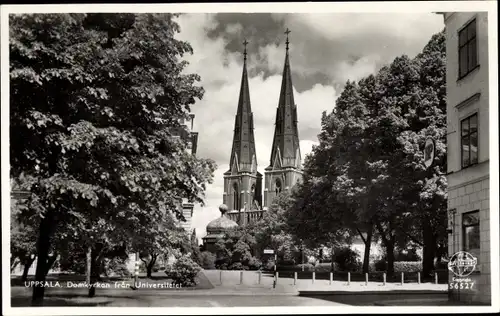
[(463, 227), (467, 43), (469, 133)]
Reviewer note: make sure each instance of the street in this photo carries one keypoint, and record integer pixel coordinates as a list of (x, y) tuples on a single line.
[(222, 301)]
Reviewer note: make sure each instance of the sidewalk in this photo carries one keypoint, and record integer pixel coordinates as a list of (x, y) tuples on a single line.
[(234, 282)]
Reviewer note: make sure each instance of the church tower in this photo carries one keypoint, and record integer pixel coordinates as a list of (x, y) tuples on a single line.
[(285, 167), (242, 182)]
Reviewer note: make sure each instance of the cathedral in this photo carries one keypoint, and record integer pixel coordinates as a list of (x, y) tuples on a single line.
[(243, 182)]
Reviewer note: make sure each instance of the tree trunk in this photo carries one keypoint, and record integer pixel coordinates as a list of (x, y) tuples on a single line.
[(390, 258), (389, 248), (95, 267), (89, 266), (150, 265), (368, 244), (429, 251), (27, 266), (50, 263), (43, 247)]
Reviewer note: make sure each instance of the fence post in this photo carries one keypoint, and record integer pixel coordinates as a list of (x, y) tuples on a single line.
[(436, 277), (348, 278), (331, 277), (220, 276), (402, 278), (295, 278), (260, 276), (418, 277), (384, 276), (313, 276), (366, 278), (241, 277)]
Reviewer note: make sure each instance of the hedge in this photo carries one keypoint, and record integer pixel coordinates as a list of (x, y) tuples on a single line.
[(399, 266)]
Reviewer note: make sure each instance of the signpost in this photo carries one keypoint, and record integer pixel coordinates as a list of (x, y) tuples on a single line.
[(270, 252), (429, 150)]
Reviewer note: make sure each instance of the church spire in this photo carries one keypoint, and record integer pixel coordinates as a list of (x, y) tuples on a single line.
[(243, 156), (286, 151)]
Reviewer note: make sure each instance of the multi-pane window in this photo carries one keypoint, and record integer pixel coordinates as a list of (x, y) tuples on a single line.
[(470, 229), (469, 141), (467, 49)]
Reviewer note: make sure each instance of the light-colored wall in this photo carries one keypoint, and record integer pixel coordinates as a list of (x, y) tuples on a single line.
[(468, 189), (460, 90)]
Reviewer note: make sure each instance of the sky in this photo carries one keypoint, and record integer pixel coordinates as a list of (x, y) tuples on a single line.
[(326, 50)]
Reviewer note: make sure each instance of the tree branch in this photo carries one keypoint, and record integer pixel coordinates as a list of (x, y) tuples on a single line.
[(412, 238), (361, 234)]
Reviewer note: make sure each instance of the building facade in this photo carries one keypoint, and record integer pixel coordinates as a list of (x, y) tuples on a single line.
[(186, 133), (468, 147)]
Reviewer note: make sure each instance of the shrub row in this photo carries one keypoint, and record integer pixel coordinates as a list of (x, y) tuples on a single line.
[(399, 266)]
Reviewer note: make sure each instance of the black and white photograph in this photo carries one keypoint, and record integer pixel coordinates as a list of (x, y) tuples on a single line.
[(253, 158)]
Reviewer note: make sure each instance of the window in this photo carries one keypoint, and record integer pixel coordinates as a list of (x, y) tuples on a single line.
[(278, 186), (236, 201), (469, 141), (252, 195), (470, 229), (467, 49)]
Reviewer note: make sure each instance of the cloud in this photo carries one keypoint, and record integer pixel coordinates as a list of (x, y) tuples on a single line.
[(325, 51), (234, 28), (328, 43)]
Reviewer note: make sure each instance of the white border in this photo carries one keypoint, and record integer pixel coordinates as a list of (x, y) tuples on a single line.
[(372, 7)]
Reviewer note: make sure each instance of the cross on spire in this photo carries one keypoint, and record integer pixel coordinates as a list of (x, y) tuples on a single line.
[(245, 43), (287, 41)]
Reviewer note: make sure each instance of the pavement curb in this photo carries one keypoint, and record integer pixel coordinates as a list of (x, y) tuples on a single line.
[(388, 292)]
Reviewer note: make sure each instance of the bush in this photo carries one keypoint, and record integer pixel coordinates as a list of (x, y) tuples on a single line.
[(116, 267), (347, 259), (326, 267), (254, 264), (399, 266), (237, 266), (207, 260), (269, 265), (307, 267), (407, 255), (407, 266), (184, 271), (380, 265)]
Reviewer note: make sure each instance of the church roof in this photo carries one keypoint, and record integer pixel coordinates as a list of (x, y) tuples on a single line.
[(243, 154), (286, 150), (221, 224)]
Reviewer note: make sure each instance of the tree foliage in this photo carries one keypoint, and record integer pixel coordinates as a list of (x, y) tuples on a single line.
[(95, 101), (367, 173), (237, 250)]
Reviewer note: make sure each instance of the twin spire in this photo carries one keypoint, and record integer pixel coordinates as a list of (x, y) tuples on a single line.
[(285, 141)]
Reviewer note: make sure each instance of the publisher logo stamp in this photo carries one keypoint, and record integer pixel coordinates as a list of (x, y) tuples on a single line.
[(462, 264)]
